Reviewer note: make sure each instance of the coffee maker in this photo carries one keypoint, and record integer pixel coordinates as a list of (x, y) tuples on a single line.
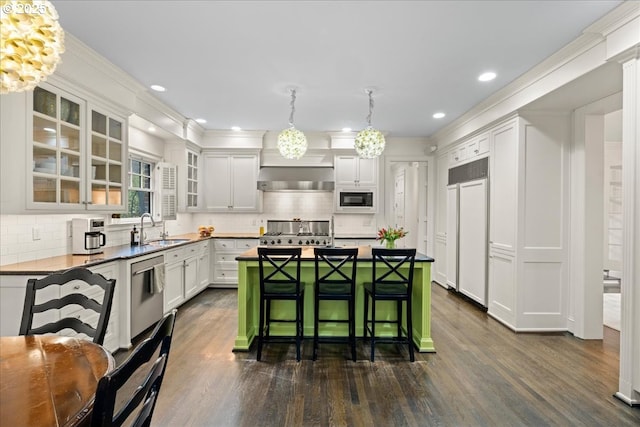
[(88, 236)]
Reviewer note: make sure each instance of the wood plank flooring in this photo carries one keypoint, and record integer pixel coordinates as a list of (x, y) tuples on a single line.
[(481, 375)]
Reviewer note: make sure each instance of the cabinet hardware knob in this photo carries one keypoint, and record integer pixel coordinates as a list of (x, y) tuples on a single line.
[(76, 287)]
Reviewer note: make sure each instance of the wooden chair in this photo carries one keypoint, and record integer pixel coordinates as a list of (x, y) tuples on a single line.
[(280, 280), (392, 281), (141, 395), (73, 285), (336, 282)]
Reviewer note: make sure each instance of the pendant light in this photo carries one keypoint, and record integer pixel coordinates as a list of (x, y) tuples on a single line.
[(369, 142), (292, 143), (31, 42)]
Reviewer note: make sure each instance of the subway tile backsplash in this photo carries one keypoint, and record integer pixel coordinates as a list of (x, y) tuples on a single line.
[(28, 237)]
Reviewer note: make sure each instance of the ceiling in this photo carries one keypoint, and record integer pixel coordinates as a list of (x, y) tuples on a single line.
[(234, 63)]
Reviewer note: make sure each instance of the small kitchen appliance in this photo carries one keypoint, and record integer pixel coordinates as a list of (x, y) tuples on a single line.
[(88, 236), (296, 233)]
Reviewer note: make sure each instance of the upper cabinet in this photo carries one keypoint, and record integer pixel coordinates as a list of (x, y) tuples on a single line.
[(76, 153), (231, 182), (192, 179), (352, 171), (470, 150)]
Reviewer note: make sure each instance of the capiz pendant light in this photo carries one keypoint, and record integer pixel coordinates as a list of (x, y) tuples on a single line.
[(369, 142), (31, 42), (292, 143)]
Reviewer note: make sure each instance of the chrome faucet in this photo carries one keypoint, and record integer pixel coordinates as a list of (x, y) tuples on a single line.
[(153, 223)]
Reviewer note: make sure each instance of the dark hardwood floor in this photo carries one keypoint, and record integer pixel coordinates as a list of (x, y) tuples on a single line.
[(482, 374)]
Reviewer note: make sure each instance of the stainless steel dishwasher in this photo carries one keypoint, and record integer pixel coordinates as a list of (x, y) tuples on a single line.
[(146, 303)]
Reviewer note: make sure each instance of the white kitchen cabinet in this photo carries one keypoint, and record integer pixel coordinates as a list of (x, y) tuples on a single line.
[(469, 150), (204, 265), (231, 182), (77, 153), (181, 274), (452, 236), (186, 156), (13, 291), (225, 266), (352, 171)]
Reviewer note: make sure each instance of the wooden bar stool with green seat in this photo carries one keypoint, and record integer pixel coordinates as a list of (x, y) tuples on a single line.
[(280, 280), (392, 281), (335, 280)]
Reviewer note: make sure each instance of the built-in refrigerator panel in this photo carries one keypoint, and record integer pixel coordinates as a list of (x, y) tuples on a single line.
[(472, 240), (452, 236)]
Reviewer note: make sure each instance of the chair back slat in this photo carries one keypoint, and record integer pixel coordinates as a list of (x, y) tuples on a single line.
[(393, 268), (272, 263), (340, 264), (80, 274), (143, 398)]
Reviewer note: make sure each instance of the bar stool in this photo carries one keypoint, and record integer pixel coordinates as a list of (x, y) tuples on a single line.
[(392, 281), (335, 274), (277, 282)]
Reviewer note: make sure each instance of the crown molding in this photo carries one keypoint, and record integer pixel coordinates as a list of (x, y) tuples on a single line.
[(591, 39)]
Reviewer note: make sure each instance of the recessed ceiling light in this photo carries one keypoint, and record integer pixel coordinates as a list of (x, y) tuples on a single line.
[(201, 121), (346, 129), (438, 115), (158, 88), (52, 130), (151, 129), (236, 128), (486, 77)]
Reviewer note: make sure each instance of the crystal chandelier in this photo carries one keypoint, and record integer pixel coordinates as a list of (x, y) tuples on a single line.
[(369, 142), (31, 41), (292, 143)]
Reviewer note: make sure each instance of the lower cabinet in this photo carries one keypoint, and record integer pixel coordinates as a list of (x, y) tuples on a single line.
[(13, 291), (184, 276), (225, 266), (357, 242)]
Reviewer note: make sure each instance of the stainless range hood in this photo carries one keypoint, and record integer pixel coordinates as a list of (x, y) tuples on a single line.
[(283, 178)]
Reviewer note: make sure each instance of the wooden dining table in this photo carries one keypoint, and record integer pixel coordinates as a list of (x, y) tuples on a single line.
[(48, 380)]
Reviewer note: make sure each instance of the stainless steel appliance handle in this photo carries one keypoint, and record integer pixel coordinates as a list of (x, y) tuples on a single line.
[(143, 271)]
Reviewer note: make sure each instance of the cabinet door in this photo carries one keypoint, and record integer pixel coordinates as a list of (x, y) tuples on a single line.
[(452, 236), (173, 290), (367, 172), (244, 179), (218, 182), (503, 186), (57, 155), (190, 277), (105, 173), (346, 170), (204, 263)]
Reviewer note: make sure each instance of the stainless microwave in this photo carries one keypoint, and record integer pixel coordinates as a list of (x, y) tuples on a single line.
[(357, 200)]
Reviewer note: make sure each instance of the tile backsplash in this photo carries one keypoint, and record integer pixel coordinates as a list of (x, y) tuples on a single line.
[(29, 237)]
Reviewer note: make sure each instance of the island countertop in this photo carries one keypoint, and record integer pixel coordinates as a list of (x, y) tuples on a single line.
[(364, 254)]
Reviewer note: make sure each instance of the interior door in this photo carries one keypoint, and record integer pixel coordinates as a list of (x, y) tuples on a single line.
[(472, 252)]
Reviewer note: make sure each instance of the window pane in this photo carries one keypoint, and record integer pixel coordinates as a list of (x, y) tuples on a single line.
[(146, 182), (135, 166), (135, 181), (98, 122), (115, 129), (146, 169), (139, 203), (44, 102)]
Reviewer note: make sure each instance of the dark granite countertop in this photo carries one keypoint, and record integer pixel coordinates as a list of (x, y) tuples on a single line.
[(364, 254)]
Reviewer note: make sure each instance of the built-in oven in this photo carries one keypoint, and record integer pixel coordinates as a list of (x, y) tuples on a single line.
[(360, 200)]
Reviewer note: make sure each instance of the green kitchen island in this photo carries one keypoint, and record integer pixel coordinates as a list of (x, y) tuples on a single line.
[(249, 302)]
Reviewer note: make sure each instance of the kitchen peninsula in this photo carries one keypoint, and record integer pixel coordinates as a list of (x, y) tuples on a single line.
[(249, 297)]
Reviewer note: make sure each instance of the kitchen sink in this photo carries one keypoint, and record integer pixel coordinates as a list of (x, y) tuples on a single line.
[(166, 242)]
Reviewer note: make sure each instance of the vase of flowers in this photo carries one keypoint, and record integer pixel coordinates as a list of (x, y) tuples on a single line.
[(390, 235)]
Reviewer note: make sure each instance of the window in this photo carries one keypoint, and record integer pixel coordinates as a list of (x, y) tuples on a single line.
[(140, 188)]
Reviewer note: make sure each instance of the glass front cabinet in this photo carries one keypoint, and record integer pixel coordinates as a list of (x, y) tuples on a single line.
[(77, 153)]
